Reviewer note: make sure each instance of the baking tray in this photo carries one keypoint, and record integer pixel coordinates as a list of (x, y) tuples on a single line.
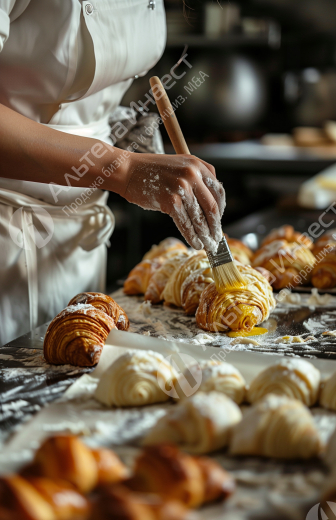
[(266, 488)]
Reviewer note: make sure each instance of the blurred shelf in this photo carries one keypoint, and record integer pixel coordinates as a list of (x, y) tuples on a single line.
[(229, 40), (251, 156)]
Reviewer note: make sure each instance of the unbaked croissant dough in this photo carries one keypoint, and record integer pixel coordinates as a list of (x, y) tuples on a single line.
[(240, 252), (165, 246), (199, 424), (173, 291), (217, 376), (192, 288), (77, 336), (295, 378), (328, 393), (133, 380), (104, 303), (161, 276), (277, 427), (237, 309)]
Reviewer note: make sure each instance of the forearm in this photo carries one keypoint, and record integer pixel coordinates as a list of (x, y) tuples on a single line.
[(33, 152)]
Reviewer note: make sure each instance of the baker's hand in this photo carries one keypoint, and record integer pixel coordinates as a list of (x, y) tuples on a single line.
[(185, 188)]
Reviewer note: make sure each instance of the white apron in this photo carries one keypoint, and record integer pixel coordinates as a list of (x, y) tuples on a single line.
[(66, 64)]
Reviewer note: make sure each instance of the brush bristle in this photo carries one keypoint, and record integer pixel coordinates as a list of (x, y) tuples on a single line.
[(227, 276)]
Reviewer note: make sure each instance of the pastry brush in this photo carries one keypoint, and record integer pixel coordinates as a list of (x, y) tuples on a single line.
[(224, 269)]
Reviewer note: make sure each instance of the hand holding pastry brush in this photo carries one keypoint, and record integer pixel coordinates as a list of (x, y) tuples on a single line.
[(225, 272)]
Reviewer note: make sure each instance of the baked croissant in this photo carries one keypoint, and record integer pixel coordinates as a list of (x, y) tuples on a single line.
[(104, 303), (136, 378), (289, 263), (139, 278), (174, 475), (289, 234), (170, 473), (240, 252), (277, 427), (238, 309), (120, 503), (216, 376), (67, 458), (324, 272), (200, 424), (295, 378), (40, 499), (77, 336), (328, 393), (192, 288), (172, 291), (166, 246), (19, 500), (161, 276), (218, 483), (66, 502), (323, 242)]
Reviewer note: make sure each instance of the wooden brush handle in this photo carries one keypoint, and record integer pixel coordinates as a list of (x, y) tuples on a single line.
[(168, 117)]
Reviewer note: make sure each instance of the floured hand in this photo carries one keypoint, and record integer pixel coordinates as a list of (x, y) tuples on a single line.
[(185, 188)]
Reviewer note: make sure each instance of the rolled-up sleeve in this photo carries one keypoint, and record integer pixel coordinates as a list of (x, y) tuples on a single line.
[(6, 7)]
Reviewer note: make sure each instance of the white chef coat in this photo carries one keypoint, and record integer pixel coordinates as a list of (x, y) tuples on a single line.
[(66, 64)]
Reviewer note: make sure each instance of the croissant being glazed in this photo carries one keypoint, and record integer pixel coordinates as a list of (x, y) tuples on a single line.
[(192, 288), (77, 336), (289, 263), (136, 378), (167, 245), (295, 378), (138, 279), (238, 309), (104, 303), (289, 234), (277, 427), (173, 291), (324, 272), (200, 424), (161, 276)]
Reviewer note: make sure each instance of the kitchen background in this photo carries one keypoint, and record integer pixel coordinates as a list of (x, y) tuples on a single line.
[(263, 115)]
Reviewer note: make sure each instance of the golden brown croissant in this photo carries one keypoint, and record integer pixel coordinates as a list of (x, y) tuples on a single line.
[(104, 303), (77, 336), (161, 276), (238, 309), (67, 458), (290, 235), (166, 246), (170, 473), (218, 483), (323, 242), (19, 500), (192, 288), (289, 263), (139, 278), (240, 252), (173, 289), (324, 272), (120, 503), (66, 502)]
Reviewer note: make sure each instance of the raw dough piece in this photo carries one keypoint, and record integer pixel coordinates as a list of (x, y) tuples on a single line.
[(328, 393), (295, 378), (277, 427), (133, 380), (200, 424)]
